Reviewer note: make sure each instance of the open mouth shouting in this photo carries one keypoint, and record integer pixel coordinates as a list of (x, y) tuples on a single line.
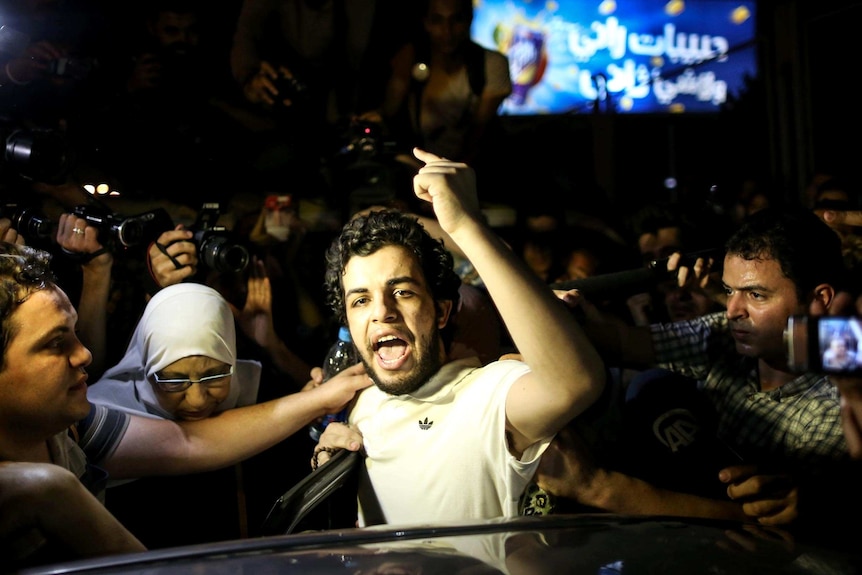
[(391, 351)]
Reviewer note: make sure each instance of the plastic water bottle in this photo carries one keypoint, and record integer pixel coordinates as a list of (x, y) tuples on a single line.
[(340, 356)]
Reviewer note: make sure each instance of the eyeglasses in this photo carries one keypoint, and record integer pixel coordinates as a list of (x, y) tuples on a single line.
[(177, 385)]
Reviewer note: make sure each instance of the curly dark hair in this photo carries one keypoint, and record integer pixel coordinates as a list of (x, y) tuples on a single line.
[(808, 251), (23, 270), (366, 234)]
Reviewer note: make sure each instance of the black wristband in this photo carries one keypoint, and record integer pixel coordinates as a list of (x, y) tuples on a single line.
[(164, 250)]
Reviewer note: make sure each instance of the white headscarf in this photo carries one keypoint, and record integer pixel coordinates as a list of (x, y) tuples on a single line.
[(181, 320)]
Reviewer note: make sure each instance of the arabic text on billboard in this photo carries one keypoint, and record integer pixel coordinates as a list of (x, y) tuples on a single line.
[(640, 56)]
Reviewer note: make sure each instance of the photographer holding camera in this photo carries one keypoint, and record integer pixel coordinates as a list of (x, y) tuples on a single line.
[(156, 125), (302, 68), (784, 425), (314, 54), (198, 253), (48, 50), (202, 253), (80, 240)]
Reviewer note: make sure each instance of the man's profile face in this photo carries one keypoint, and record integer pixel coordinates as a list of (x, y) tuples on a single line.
[(760, 299), (393, 319), (43, 386)]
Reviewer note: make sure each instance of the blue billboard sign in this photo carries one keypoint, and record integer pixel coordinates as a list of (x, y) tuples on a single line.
[(635, 56)]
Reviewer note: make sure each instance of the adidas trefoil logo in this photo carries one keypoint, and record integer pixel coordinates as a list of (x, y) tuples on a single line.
[(425, 424)]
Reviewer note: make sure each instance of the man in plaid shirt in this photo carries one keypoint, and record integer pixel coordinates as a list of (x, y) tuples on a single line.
[(785, 426)]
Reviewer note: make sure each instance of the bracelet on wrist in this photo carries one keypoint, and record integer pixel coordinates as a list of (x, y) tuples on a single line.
[(314, 463)]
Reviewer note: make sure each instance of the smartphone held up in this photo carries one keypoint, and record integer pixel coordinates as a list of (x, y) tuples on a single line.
[(824, 344)]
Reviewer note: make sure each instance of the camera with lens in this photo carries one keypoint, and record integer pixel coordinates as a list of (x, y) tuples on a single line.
[(128, 231), (364, 141), (35, 153), (291, 88), (28, 221), (216, 249), (364, 166)]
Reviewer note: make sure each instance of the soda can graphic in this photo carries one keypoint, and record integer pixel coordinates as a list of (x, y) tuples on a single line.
[(526, 61)]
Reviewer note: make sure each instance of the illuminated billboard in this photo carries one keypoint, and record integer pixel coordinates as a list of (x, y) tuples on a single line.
[(635, 56)]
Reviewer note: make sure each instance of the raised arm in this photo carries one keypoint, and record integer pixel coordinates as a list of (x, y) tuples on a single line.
[(567, 373), (256, 321), (78, 239)]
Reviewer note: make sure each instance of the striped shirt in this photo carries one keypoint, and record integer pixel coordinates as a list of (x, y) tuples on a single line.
[(101, 431)]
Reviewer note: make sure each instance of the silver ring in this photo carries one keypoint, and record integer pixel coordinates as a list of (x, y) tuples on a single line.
[(78, 230)]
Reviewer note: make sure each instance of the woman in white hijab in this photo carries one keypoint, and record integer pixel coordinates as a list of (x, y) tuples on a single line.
[(181, 361)]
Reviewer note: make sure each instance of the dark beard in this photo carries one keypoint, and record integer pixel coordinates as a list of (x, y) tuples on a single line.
[(405, 383)]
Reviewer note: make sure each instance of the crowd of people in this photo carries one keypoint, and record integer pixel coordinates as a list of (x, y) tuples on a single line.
[(504, 361)]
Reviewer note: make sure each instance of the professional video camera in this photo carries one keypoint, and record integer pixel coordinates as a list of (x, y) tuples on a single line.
[(28, 221), (127, 231), (216, 249), (364, 170), (363, 141)]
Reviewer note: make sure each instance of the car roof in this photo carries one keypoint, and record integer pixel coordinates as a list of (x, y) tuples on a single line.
[(590, 543)]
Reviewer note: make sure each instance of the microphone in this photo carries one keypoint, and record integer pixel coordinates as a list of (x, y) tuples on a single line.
[(613, 284), (629, 282)]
